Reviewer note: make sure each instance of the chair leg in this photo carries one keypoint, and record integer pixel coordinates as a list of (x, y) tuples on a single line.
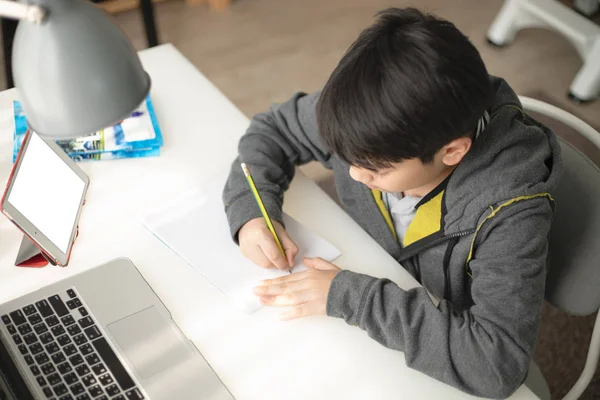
[(149, 22), (591, 363), (585, 36), (504, 28), (586, 85), (9, 27)]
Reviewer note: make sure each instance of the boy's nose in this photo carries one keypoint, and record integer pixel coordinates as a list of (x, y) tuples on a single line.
[(360, 175)]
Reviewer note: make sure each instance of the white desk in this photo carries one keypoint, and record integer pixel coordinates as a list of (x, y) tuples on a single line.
[(256, 356)]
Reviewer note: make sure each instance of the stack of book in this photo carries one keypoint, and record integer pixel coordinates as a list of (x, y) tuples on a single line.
[(136, 136)]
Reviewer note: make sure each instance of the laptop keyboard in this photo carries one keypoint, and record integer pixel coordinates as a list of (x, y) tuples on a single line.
[(66, 351)]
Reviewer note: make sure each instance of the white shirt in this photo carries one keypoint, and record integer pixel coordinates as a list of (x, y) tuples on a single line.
[(402, 210)]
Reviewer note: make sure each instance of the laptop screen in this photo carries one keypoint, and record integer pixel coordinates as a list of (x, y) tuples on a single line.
[(12, 385)]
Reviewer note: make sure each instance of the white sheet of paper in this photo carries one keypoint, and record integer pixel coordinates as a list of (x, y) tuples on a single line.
[(195, 227)]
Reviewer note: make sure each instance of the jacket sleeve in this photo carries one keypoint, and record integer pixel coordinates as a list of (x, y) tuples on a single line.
[(485, 350), (275, 142)]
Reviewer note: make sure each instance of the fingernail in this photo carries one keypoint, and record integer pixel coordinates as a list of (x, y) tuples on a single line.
[(258, 290), (266, 299)]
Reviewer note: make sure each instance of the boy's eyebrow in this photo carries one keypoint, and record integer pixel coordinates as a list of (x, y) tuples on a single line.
[(369, 168), (378, 170)]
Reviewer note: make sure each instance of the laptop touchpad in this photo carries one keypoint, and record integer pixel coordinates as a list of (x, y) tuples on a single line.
[(150, 341)]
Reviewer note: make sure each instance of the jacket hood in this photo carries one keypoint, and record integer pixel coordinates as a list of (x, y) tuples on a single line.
[(513, 157)]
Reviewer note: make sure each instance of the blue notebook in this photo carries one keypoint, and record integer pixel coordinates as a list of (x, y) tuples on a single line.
[(138, 135)]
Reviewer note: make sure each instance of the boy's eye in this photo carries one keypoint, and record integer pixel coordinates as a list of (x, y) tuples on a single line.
[(382, 172)]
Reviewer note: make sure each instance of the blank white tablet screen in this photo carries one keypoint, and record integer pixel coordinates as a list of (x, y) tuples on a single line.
[(47, 192)]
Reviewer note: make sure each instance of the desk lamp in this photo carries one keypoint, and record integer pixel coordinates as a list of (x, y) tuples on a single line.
[(75, 70)]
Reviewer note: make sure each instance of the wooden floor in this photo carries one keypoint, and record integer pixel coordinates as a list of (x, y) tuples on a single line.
[(262, 51)]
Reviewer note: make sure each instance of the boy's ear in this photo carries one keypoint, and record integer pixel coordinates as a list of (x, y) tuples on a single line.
[(453, 152)]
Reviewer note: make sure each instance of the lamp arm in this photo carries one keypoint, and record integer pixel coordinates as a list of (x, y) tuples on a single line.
[(13, 10)]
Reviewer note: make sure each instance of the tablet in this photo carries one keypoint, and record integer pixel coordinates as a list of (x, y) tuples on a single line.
[(44, 196)]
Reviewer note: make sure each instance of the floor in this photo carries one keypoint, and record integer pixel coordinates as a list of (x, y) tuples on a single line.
[(261, 51)]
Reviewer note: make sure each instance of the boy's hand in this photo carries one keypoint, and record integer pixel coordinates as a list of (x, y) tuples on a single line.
[(305, 291), (258, 244)]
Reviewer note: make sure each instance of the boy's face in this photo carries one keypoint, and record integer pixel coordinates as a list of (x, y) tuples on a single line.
[(412, 174), (405, 175)]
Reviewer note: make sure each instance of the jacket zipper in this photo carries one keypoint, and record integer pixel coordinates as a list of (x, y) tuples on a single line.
[(452, 236), (417, 264), (446, 265), (443, 239)]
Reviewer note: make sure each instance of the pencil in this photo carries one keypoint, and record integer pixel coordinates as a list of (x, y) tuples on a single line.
[(261, 205)]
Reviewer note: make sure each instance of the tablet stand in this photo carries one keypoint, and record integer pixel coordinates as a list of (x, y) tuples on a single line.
[(30, 255)]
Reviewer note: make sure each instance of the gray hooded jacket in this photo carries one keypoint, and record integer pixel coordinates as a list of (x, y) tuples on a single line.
[(478, 242)]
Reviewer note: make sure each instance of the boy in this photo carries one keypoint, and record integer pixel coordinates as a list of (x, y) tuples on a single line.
[(436, 160)]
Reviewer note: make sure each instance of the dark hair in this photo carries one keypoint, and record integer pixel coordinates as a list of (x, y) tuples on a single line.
[(410, 84)]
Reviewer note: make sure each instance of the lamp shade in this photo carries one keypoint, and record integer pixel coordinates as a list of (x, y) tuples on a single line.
[(76, 72)]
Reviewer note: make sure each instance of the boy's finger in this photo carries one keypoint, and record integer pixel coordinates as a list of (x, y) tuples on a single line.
[(258, 257), (285, 300), (319, 263), (272, 252), (283, 279), (290, 254), (309, 263), (287, 288), (291, 250)]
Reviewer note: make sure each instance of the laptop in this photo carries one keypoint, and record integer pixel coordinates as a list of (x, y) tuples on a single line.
[(102, 334)]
